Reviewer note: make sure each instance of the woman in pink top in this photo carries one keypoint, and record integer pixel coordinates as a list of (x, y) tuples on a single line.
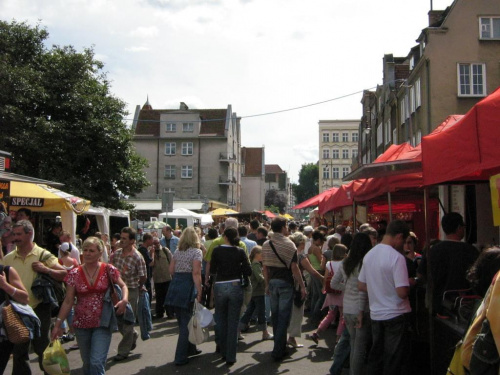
[(89, 284)]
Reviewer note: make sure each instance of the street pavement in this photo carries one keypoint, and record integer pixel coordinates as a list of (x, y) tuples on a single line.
[(156, 355)]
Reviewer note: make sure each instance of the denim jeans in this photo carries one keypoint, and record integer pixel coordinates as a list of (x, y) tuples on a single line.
[(317, 299), (257, 304), (94, 345), (359, 340), (389, 346), (281, 312), (340, 353), (228, 302), (184, 347)]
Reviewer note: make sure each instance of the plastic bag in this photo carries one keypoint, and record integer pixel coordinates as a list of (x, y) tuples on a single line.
[(55, 361)]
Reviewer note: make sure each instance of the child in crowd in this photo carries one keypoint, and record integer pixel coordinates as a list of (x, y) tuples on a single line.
[(258, 295), (334, 298)]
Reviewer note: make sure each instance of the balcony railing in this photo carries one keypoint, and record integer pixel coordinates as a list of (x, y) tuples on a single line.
[(227, 157), (225, 180)]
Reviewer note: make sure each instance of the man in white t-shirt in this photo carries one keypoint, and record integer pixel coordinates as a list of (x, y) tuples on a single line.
[(385, 277), (66, 245)]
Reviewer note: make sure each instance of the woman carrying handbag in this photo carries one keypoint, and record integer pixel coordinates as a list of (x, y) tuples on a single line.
[(89, 283), (11, 287)]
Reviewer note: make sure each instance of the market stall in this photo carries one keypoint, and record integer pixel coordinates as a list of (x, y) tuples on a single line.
[(44, 198)]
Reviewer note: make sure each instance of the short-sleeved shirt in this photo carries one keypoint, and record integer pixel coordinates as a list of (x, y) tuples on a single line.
[(132, 267), (217, 242), (184, 259), (88, 308), (25, 270), (384, 270)]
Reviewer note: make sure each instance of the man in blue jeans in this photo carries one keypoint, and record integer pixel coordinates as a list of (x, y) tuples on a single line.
[(279, 258), (385, 277)]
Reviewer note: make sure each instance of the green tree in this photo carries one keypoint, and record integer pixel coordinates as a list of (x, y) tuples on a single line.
[(60, 121), (274, 201), (308, 185)]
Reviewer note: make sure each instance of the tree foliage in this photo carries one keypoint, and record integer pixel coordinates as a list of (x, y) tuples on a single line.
[(60, 121), (274, 201), (308, 185)]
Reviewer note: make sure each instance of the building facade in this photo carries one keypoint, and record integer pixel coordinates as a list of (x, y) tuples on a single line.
[(453, 66), (277, 179), (253, 187), (338, 146), (193, 154)]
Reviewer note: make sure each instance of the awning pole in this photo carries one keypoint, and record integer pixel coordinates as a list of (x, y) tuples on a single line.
[(426, 217), (353, 216), (390, 205)]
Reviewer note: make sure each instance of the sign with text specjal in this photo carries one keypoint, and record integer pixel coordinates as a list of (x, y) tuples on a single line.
[(495, 198)]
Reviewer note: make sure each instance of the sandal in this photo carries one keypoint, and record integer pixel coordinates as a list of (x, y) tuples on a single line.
[(294, 344)]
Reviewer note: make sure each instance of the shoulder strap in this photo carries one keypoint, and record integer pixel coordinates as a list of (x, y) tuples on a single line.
[(275, 252), (331, 268), (166, 254)]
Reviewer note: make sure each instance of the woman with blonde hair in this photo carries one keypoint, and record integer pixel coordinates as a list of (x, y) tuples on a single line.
[(185, 286), (89, 283)]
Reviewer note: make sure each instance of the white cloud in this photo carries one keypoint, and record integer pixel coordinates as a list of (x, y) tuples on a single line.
[(145, 32), (137, 49)]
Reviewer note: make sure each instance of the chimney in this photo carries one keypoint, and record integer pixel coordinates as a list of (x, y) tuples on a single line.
[(435, 17), (183, 107)]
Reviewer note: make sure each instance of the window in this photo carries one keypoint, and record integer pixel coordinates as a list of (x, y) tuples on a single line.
[(395, 136), (471, 79), (171, 128), (187, 127), (380, 130), (387, 131), (326, 154), (187, 171), (335, 137), (489, 28), (418, 99), (170, 148), (402, 115), (335, 154), (412, 99), (335, 173), (345, 137), (187, 148), (326, 137), (419, 137), (326, 173), (354, 136), (345, 171), (345, 154), (354, 153), (170, 171)]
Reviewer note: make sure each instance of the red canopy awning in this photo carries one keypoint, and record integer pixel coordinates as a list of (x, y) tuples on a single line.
[(342, 197), (468, 150), (269, 214), (314, 201)]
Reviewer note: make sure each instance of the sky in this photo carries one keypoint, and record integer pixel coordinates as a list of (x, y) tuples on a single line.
[(260, 56)]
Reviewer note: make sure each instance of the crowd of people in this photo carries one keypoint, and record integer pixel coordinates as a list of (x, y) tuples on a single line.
[(275, 274)]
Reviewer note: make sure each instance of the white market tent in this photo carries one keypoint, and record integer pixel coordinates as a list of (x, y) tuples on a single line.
[(103, 214), (183, 213)]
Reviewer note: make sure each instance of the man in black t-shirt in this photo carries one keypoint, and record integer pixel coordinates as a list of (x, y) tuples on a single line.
[(448, 261)]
